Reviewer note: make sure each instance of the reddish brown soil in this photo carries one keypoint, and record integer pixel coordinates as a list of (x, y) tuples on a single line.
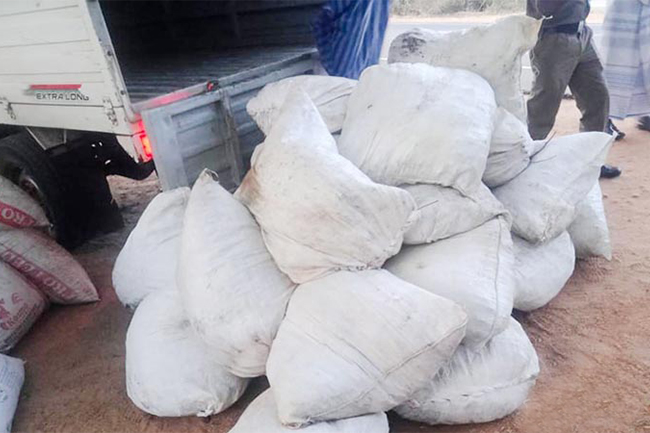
[(592, 340)]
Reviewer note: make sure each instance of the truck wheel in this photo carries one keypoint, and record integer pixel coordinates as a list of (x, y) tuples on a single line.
[(77, 200)]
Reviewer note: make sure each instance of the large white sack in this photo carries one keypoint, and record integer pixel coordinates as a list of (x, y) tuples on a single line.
[(479, 387), (169, 371), (510, 149), (541, 271), (47, 266), (414, 123), (493, 51), (355, 343), (318, 212), (589, 231), (148, 260), (474, 269), (261, 416), (234, 293), (329, 95), (17, 209), (21, 304), (542, 199), (12, 376), (444, 212)]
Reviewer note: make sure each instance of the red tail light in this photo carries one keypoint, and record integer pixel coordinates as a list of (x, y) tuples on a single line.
[(144, 140)]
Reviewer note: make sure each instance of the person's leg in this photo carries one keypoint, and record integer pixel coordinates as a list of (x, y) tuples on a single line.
[(553, 60), (589, 89)]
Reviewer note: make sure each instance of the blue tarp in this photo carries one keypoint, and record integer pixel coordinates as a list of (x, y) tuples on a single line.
[(349, 35)]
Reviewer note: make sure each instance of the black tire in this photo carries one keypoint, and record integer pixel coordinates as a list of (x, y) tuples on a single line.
[(21, 157), (75, 196)]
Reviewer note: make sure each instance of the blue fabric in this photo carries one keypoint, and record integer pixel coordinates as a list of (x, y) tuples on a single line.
[(349, 35)]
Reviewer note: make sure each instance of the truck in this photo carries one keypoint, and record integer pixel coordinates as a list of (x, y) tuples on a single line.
[(91, 88)]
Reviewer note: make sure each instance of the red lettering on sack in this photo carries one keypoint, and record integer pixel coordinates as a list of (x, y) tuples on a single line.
[(14, 217), (43, 279)]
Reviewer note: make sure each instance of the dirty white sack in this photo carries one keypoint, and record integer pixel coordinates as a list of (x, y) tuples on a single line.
[(329, 95), (479, 387), (169, 371), (354, 343), (415, 123), (48, 266), (12, 376), (148, 260), (21, 304), (444, 212), (589, 231), (542, 199), (542, 270), (510, 149), (318, 212), (17, 209), (474, 269), (493, 51), (261, 416), (234, 294)]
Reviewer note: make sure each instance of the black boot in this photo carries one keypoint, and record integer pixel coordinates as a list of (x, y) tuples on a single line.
[(611, 129), (609, 172), (644, 123)]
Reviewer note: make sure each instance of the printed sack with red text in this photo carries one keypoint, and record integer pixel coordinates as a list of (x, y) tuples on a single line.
[(17, 209), (20, 306), (47, 266)]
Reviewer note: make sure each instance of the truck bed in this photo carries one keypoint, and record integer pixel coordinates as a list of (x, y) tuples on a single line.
[(187, 71)]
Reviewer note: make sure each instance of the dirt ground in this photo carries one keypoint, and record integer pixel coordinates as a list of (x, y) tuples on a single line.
[(592, 340)]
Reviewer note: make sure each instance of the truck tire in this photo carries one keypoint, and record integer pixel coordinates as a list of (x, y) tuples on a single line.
[(76, 199)]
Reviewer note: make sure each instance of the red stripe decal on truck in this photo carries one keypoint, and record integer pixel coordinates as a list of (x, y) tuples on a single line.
[(55, 86)]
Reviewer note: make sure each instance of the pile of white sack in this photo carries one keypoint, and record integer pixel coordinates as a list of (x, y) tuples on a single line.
[(371, 270), (34, 271)]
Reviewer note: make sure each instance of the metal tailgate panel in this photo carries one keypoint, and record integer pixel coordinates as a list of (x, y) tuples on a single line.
[(193, 134)]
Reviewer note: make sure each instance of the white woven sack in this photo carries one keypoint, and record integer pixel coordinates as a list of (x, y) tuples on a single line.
[(21, 304), (541, 271), (493, 51), (147, 263), (261, 416), (329, 95), (355, 343), (444, 212), (414, 123), (510, 149), (17, 209), (234, 294), (542, 199), (12, 376), (474, 269), (318, 212), (589, 231), (479, 387), (47, 266), (169, 371)]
